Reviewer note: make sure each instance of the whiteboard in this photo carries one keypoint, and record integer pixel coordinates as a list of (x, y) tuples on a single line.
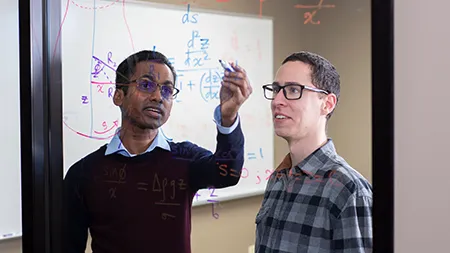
[(98, 35), (10, 183)]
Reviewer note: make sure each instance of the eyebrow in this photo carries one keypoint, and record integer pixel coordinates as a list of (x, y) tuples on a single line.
[(149, 76), (168, 82), (152, 77), (286, 83)]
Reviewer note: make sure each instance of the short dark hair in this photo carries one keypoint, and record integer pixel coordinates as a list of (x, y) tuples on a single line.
[(323, 74), (128, 66)]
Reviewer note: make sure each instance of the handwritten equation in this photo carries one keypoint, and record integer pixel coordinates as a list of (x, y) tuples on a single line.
[(167, 190), (308, 16), (211, 199), (257, 175), (113, 177), (101, 78), (206, 80)]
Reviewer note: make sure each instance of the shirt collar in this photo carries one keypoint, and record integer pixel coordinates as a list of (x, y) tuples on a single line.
[(312, 163), (115, 145)]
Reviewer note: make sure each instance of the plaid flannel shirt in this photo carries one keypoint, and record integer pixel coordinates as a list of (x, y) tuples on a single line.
[(321, 205)]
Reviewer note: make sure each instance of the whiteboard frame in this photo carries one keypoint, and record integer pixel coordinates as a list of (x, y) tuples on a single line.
[(182, 7)]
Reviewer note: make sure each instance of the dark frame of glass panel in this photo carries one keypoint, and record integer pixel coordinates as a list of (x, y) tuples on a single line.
[(41, 125), (383, 124)]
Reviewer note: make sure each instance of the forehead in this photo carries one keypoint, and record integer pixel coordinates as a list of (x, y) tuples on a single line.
[(159, 70), (294, 71)]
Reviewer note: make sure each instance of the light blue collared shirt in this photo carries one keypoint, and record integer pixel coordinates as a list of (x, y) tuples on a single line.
[(116, 146)]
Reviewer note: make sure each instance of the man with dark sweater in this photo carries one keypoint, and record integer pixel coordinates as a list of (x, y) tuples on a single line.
[(135, 193)]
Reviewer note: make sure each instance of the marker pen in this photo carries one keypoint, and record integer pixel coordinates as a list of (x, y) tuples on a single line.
[(226, 66)]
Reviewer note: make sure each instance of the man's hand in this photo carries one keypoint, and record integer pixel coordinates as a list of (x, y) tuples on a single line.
[(234, 91)]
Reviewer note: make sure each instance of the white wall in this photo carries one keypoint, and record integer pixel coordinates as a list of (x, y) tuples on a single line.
[(422, 126)]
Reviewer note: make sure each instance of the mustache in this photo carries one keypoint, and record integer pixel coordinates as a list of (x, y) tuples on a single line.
[(155, 106)]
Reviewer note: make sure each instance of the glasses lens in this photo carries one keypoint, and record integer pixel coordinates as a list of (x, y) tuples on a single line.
[(146, 85), (293, 91), (271, 91), (166, 91)]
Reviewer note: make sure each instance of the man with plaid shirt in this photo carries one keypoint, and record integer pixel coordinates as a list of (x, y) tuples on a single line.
[(314, 202)]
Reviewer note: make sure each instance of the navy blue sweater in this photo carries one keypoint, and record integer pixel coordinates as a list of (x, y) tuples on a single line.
[(143, 203)]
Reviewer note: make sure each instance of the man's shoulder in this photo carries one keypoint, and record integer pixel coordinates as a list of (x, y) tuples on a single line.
[(186, 149), (88, 160), (181, 144), (344, 185), (347, 181)]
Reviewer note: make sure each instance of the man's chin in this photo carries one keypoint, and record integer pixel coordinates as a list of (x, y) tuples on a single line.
[(152, 126), (148, 124), (154, 123), (282, 133)]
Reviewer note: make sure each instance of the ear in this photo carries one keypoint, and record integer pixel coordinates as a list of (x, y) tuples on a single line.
[(329, 103), (118, 97)]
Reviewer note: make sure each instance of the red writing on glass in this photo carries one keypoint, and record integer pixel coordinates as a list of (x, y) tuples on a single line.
[(105, 127), (234, 42), (100, 88), (310, 15), (246, 173), (268, 172)]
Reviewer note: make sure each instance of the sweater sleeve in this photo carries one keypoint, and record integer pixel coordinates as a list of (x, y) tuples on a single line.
[(221, 169), (75, 213)]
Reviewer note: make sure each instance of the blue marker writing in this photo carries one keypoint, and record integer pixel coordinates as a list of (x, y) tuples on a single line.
[(226, 66)]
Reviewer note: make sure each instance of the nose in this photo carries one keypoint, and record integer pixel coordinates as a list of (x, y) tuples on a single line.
[(156, 95), (279, 99)]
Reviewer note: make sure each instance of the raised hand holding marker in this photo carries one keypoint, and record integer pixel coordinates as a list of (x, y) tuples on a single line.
[(226, 66), (226, 94)]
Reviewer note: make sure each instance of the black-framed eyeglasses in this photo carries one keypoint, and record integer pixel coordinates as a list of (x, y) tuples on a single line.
[(291, 91), (146, 84)]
